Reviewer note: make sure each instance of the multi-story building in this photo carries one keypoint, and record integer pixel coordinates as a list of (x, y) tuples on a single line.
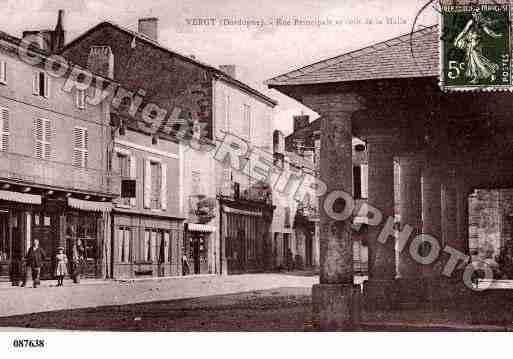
[(54, 177), (226, 220)]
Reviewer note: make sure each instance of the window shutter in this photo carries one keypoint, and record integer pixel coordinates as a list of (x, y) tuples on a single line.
[(47, 85), (126, 244), (153, 246), (35, 84), (120, 243), (146, 248), (133, 175), (80, 145), (166, 247), (365, 180), (47, 139), (38, 138), (3, 72), (163, 191), (4, 129), (80, 99), (147, 183)]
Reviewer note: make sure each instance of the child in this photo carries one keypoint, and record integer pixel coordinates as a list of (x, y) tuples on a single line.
[(61, 269)]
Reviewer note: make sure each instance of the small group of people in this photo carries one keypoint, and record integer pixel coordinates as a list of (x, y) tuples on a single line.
[(36, 256)]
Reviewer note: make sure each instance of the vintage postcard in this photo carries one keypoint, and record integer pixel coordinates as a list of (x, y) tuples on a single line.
[(172, 168)]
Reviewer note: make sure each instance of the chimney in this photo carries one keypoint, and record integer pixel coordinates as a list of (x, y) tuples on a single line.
[(149, 28), (301, 121), (58, 38), (43, 38), (230, 70), (101, 61)]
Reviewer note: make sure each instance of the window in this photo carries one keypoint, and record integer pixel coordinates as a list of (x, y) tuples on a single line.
[(154, 246), (80, 151), (3, 72), (4, 129), (42, 138), (287, 217), (124, 172), (124, 238), (41, 84), (156, 184), (80, 96), (246, 124), (165, 248)]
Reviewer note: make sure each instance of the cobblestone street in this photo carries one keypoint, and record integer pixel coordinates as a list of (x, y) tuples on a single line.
[(16, 300)]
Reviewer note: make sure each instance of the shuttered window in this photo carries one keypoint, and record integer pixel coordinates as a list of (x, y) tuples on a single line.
[(3, 72), (80, 96), (124, 171), (41, 84), (42, 138), (4, 129), (124, 238), (80, 151), (155, 184)]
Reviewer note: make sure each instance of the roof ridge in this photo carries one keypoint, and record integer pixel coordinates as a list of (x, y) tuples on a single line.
[(351, 54), (216, 70)]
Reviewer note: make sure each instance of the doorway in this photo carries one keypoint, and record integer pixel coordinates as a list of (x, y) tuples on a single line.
[(198, 252), (5, 245)]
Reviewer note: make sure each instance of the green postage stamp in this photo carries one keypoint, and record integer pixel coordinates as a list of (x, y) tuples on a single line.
[(475, 47)]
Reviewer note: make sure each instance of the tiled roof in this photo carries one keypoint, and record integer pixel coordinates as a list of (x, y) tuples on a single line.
[(220, 74), (410, 55)]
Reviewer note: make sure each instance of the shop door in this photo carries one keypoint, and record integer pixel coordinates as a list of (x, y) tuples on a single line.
[(164, 259), (5, 246), (198, 255), (45, 229), (82, 241)]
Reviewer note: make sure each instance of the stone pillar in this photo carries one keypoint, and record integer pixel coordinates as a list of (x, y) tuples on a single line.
[(449, 209), (462, 193), (410, 210), (381, 196), (335, 299), (432, 207)]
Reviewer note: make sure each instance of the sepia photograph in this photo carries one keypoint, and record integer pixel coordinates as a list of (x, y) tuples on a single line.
[(181, 172)]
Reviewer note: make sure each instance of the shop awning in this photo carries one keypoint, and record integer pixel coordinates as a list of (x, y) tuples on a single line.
[(196, 227), (90, 205), (20, 197)]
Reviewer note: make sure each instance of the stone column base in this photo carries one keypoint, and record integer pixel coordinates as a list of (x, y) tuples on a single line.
[(379, 294), (336, 306)]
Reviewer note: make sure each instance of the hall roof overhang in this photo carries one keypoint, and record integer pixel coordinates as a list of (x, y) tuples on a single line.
[(409, 56), (397, 80)]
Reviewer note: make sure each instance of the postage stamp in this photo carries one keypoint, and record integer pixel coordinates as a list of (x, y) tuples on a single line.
[(475, 47)]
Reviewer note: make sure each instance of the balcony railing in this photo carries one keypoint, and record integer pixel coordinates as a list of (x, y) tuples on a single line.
[(34, 171)]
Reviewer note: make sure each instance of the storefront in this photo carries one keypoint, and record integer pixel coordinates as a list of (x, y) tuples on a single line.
[(54, 222), (146, 246), (245, 235), (200, 248)]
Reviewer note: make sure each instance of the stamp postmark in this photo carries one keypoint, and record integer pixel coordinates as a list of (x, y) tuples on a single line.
[(475, 47)]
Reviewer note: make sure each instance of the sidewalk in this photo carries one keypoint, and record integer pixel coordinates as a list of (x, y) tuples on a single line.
[(94, 293)]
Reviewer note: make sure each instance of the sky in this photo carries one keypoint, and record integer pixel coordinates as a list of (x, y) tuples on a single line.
[(260, 52)]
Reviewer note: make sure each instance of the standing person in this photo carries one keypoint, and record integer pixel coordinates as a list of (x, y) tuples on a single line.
[(61, 267), (185, 265), (78, 255), (35, 257)]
